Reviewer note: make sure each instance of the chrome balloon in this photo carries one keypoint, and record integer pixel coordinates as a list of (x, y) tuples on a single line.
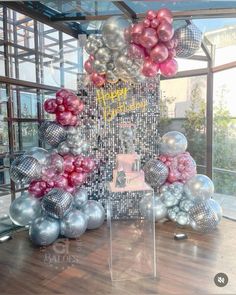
[(103, 55), (160, 210), (182, 218), (74, 224), (40, 154), (173, 143), (99, 67), (172, 213), (186, 204), (80, 197), (95, 214)]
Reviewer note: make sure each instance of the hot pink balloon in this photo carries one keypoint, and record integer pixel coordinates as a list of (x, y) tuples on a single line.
[(170, 44), (136, 51), (64, 118), (169, 68), (70, 189), (155, 23), (63, 93), (137, 30), (159, 53), (60, 181), (59, 100), (50, 105), (172, 53), (48, 173), (98, 80), (88, 164), (36, 189), (165, 14), (146, 23), (71, 102), (151, 14), (78, 160), (165, 31), (148, 39), (76, 179), (60, 109), (88, 66), (69, 163), (74, 120), (150, 68)]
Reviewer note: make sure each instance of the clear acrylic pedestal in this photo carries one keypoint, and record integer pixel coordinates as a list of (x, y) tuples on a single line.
[(131, 236)]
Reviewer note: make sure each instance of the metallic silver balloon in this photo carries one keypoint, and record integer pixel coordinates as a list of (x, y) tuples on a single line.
[(24, 209), (146, 206), (63, 148), (173, 143), (71, 130), (169, 199), (156, 173), (203, 217), (160, 210), (189, 40), (216, 207), (24, 169), (52, 133), (186, 204), (172, 213), (199, 187), (182, 218), (113, 32), (57, 203), (91, 46), (103, 55), (74, 224), (80, 197), (95, 214), (40, 154), (171, 194), (44, 230), (99, 67), (111, 77), (110, 66)]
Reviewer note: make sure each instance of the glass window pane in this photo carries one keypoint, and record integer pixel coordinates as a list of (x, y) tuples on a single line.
[(26, 135)]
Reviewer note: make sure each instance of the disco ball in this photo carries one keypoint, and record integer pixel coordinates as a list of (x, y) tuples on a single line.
[(24, 169), (52, 133), (189, 40), (155, 172), (57, 203), (203, 216)]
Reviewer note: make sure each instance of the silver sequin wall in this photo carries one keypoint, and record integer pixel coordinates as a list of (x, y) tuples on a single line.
[(104, 137)]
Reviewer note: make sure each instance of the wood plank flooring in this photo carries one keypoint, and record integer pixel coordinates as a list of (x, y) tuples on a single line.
[(81, 266)]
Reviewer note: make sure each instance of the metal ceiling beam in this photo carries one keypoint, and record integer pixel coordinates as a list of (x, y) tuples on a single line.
[(81, 18), (127, 11)]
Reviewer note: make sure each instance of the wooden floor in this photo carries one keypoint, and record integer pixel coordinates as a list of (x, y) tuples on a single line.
[(183, 267)]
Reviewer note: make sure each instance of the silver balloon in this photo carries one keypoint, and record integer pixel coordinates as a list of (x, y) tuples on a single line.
[(99, 67), (44, 230), (146, 206), (80, 197), (156, 173), (63, 148), (95, 214), (182, 218), (171, 194), (172, 213), (110, 66), (203, 216), (186, 204), (24, 209), (71, 130), (189, 40), (40, 154), (113, 32), (57, 203), (24, 169), (160, 210), (103, 55), (216, 208), (91, 46), (74, 224), (111, 77), (199, 187), (52, 133), (173, 143)]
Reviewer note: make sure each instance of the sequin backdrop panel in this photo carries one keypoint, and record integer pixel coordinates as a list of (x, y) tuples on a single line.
[(104, 136)]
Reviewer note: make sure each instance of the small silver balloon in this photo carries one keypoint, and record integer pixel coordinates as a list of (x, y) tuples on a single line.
[(63, 148), (216, 208), (172, 213), (182, 218), (74, 224), (44, 230), (57, 203), (146, 206), (199, 187), (24, 169), (189, 40), (71, 130), (113, 32), (24, 209), (111, 77), (52, 133), (186, 204), (156, 173), (103, 55), (160, 210), (99, 67), (173, 143), (40, 154), (91, 46), (169, 199), (95, 214), (110, 66), (80, 197)]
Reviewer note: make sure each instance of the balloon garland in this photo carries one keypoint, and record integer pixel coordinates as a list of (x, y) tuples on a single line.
[(55, 203)]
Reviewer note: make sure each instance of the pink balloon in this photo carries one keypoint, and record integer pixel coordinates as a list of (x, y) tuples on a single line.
[(64, 118), (150, 69), (172, 53), (63, 93), (69, 163), (71, 102), (70, 189), (50, 105), (98, 80), (78, 161), (59, 100), (88, 164), (170, 44), (36, 189), (137, 30), (60, 181), (136, 51), (165, 31), (165, 14), (148, 39), (74, 121), (155, 23), (88, 66), (169, 68), (159, 53), (146, 23), (60, 108), (76, 179), (48, 173), (91, 57), (151, 14)]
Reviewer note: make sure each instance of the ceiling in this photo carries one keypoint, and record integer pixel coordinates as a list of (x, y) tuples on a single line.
[(86, 16)]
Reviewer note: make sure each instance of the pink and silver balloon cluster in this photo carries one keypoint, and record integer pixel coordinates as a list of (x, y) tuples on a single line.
[(52, 204), (182, 195), (133, 52)]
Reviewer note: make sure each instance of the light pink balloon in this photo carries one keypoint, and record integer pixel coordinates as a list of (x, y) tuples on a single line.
[(169, 68), (91, 57), (170, 44), (155, 23), (146, 23), (165, 31), (60, 181), (159, 53), (165, 14), (136, 51), (137, 29), (151, 14), (148, 39), (172, 53), (88, 66), (150, 68), (98, 80)]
